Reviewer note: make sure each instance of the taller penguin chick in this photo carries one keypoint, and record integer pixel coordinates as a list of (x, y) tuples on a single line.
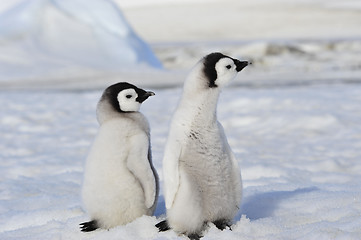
[(120, 182), (202, 181)]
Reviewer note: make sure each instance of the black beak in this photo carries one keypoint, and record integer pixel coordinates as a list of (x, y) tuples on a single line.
[(240, 64), (145, 96)]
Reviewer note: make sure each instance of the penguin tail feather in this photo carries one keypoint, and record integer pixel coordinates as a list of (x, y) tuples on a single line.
[(89, 226)]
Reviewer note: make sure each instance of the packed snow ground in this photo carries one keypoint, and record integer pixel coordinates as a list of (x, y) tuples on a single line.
[(298, 148), (292, 118)]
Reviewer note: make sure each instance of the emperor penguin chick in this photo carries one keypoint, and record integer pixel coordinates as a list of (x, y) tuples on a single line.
[(202, 181), (120, 183)]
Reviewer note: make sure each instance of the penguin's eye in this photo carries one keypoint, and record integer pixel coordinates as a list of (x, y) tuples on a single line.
[(128, 96), (228, 66)]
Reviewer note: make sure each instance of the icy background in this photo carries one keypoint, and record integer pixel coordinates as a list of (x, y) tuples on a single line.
[(293, 118)]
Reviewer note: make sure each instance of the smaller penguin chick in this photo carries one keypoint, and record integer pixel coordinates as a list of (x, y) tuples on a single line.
[(120, 182)]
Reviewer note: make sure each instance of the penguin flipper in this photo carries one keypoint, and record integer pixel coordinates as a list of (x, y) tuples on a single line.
[(89, 226), (236, 174), (163, 226), (172, 152), (138, 164)]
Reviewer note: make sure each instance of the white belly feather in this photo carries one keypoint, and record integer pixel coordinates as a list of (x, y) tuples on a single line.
[(110, 191)]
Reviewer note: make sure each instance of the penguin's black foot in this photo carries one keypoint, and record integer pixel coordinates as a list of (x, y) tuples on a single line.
[(89, 226), (194, 236), (163, 226), (222, 224)]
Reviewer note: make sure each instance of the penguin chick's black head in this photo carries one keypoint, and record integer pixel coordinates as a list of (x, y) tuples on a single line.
[(210, 62), (112, 95)]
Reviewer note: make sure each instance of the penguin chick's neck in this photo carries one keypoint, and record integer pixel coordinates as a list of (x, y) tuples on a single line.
[(105, 111), (199, 101), (200, 106)]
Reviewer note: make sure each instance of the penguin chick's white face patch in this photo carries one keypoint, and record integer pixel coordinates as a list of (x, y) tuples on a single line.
[(219, 69), (127, 100), (226, 71)]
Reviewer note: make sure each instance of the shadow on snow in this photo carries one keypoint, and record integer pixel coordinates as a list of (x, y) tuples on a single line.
[(263, 205)]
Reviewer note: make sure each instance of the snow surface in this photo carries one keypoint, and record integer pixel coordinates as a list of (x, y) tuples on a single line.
[(292, 118), (68, 38), (289, 43), (298, 149)]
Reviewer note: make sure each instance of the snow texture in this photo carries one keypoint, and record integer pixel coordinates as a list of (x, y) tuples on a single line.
[(65, 38), (292, 118), (298, 149)]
